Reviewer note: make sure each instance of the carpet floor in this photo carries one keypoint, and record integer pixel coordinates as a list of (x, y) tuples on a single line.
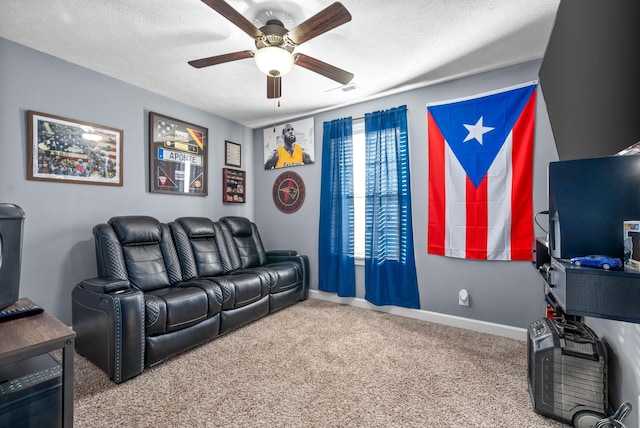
[(321, 364)]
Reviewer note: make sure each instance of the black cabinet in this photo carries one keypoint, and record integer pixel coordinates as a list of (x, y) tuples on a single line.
[(584, 291)]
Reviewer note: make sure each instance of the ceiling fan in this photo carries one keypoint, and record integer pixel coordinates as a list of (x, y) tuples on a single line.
[(274, 43)]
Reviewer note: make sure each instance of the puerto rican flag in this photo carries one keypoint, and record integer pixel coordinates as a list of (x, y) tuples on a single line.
[(481, 176)]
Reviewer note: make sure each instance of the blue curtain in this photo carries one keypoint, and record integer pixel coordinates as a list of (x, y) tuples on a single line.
[(336, 243), (390, 271)]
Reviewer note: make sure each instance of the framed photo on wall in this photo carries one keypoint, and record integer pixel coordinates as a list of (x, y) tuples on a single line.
[(72, 151), (232, 154), (177, 156), (289, 144), (234, 186)]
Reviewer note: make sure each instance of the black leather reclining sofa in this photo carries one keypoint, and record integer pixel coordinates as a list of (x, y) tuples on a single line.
[(165, 288)]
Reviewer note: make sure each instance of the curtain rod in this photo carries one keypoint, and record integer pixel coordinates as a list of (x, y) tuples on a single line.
[(362, 117)]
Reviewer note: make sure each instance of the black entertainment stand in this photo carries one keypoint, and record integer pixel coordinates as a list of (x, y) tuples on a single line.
[(24, 338), (582, 291)]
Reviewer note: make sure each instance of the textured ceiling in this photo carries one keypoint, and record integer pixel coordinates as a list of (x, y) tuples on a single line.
[(390, 46)]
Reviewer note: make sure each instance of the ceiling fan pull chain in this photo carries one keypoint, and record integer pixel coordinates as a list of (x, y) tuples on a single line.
[(274, 106), (276, 83)]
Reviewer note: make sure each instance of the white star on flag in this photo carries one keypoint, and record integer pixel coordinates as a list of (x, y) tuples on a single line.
[(477, 131)]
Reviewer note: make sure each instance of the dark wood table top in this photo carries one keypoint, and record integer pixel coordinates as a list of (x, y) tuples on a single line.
[(35, 333)]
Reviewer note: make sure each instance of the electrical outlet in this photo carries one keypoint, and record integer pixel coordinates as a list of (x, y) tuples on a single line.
[(463, 297)]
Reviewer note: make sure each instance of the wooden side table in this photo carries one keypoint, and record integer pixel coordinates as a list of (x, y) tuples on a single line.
[(39, 334)]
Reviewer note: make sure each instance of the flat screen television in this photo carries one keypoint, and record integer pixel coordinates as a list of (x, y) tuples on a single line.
[(11, 226), (589, 199)]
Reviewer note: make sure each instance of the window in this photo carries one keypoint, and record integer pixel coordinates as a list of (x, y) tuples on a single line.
[(359, 187), (391, 235)]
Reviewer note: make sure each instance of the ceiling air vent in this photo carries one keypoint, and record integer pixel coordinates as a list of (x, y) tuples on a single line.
[(346, 88)]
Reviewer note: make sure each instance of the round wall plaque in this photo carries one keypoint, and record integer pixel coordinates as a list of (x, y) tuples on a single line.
[(288, 192)]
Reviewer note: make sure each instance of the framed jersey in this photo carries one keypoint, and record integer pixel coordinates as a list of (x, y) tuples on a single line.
[(178, 156)]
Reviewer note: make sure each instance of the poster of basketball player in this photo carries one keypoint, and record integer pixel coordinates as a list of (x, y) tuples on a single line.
[(289, 144)]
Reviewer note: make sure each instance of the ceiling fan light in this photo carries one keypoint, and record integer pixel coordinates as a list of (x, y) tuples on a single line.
[(274, 61)]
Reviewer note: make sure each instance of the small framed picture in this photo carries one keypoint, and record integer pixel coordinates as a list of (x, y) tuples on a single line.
[(234, 187), (232, 154), (71, 151)]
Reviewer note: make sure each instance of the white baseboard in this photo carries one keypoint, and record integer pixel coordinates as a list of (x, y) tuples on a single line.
[(450, 320)]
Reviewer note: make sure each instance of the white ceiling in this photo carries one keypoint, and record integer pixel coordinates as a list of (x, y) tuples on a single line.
[(390, 46)]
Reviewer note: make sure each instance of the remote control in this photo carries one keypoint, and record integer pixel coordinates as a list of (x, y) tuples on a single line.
[(19, 312)]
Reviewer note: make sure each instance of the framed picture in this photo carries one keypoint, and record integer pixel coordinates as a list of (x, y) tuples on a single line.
[(232, 154), (234, 189), (177, 156), (71, 151), (290, 144)]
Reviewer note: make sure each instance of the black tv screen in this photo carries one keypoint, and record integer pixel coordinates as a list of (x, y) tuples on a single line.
[(11, 224), (589, 199)]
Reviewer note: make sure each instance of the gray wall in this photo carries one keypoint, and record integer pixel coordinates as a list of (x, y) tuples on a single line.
[(501, 292), (58, 249), (623, 344)]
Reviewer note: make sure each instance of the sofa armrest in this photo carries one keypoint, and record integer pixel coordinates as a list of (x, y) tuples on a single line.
[(275, 256), (280, 255), (105, 285), (108, 317), (304, 263)]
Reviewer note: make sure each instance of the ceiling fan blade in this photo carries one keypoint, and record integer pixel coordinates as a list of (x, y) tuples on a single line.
[(274, 87), (219, 59), (224, 9), (327, 19), (327, 70)]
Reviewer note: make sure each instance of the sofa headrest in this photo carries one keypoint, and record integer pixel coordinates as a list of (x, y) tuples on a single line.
[(239, 226), (197, 227), (136, 229)]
